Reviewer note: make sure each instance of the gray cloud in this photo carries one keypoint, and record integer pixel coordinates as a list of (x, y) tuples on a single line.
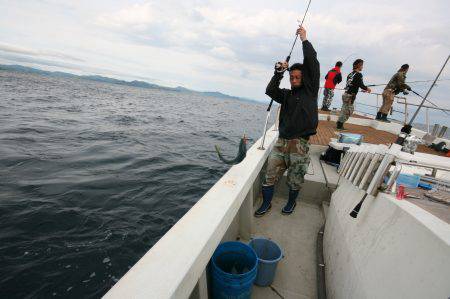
[(261, 37), (39, 61), (37, 53), (231, 46)]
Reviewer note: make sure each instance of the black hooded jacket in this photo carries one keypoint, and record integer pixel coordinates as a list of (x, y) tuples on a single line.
[(299, 115)]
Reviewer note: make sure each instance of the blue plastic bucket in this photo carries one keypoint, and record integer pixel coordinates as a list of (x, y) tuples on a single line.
[(233, 270), (269, 254)]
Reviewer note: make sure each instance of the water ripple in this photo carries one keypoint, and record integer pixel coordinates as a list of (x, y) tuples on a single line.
[(93, 174)]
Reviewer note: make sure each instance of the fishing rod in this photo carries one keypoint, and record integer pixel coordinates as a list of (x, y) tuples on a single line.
[(407, 127), (348, 57), (420, 96), (296, 36), (261, 147), (410, 82)]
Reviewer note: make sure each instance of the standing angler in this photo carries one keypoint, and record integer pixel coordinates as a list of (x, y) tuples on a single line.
[(395, 86), (354, 83), (298, 121), (332, 79)]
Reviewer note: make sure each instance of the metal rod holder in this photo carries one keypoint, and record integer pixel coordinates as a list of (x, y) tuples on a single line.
[(261, 147)]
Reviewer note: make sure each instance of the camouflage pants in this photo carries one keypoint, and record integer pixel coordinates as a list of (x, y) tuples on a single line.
[(347, 107), (292, 155), (388, 100), (328, 94)]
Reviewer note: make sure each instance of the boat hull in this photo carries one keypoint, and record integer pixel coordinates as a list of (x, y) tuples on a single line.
[(394, 249)]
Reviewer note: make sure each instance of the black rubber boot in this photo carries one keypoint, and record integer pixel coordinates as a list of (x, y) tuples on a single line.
[(384, 118), (267, 192), (292, 202), (378, 116), (339, 126)]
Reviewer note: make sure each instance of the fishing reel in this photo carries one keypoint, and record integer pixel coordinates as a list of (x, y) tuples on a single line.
[(407, 90), (279, 67)]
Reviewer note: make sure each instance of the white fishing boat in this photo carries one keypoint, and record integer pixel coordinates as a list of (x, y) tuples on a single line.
[(392, 249)]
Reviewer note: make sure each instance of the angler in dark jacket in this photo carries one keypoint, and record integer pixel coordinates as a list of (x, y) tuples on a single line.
[(298, 121), (333, 78), (395, 86), (354, 83)]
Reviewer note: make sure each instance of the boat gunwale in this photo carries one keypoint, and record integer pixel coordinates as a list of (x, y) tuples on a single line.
[(174, 265)]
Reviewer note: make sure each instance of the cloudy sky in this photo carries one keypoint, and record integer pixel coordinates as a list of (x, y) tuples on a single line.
[(227, 46)]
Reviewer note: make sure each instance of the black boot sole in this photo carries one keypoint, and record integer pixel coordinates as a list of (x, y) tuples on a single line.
[(290, 212), (262, 214)]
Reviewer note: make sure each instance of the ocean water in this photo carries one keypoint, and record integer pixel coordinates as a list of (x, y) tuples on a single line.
[(93, 174)]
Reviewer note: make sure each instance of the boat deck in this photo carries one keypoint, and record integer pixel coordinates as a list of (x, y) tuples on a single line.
[(327, 130), (440, 210), (296, 234), (337, 112)]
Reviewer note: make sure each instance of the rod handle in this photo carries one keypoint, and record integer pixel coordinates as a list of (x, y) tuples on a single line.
[(270, 105), (356, 209)]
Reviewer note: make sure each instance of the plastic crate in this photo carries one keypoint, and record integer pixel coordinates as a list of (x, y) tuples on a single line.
[(408, 180)]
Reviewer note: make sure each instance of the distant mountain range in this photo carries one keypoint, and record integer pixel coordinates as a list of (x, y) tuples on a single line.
[(135, 83)]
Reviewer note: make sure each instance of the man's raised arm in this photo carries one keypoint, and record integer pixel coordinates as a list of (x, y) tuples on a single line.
[(311, 73)]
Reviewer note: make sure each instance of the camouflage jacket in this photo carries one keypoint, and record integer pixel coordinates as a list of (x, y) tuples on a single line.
[(397, 83)]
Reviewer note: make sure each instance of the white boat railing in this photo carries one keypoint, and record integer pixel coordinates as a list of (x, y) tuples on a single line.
[(365, 166), (360, 163), (176, 264), (401, 100), (393, 128)]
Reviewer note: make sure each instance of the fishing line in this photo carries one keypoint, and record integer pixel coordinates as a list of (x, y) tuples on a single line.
[(428, 92), (407, 127), (296, 36), (410, 82), (348, 57), (420, 96)]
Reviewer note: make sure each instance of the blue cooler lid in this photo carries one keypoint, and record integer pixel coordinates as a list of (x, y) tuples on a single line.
[(351, 138)]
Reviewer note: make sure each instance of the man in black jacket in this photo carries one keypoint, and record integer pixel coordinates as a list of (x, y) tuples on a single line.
[(298, 121), (354, 83)]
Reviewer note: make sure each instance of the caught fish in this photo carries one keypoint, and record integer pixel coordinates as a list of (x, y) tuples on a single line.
[(242, 153)]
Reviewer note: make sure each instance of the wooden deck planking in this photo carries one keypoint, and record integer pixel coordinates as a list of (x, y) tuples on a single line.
[(327, 130)]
